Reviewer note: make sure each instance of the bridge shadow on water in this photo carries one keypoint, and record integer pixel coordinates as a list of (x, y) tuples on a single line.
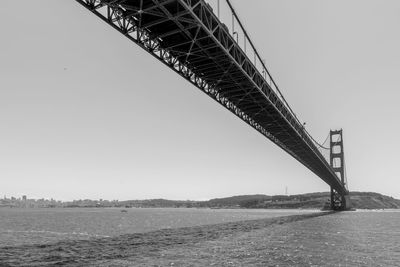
[(85, 252)]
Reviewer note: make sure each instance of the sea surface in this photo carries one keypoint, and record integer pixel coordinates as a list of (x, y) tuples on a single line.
[(109, 237), (41, 226)]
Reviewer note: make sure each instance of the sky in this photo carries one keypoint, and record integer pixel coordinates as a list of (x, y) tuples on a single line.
[(85, 113)]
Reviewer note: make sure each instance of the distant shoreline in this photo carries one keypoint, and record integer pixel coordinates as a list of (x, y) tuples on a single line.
[(205, 208), (314, 201)]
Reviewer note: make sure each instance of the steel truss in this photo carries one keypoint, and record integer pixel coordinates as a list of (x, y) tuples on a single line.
[(339, 201), (187, 36)]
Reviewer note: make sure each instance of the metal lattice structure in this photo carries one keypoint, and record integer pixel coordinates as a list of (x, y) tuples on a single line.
[(338, 201), (189, 38)]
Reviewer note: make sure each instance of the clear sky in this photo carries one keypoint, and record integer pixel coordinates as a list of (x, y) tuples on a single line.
[(85, 113)]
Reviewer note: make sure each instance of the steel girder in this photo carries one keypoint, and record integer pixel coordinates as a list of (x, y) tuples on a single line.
[(188, 37)]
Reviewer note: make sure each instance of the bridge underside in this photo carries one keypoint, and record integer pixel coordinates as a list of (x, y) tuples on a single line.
[(189, 38)]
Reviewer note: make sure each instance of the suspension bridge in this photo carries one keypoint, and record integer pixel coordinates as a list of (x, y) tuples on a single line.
[(208, 45)]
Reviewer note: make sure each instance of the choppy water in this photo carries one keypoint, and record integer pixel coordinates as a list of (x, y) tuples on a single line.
[(80, 237), (42, 226)]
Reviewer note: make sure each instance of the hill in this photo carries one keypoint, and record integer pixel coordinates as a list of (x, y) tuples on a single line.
[(370, 200), (359, 200)]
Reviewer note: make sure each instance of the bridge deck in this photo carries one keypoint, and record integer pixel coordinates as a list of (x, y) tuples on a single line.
[(188, 37)]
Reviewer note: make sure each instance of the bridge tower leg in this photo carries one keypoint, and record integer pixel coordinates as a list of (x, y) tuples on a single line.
[(338, 201)]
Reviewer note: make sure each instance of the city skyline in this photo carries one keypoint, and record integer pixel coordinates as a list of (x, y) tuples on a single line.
[(80, 119)]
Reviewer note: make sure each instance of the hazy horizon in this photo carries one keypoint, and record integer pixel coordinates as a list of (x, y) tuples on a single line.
[(142, 199)]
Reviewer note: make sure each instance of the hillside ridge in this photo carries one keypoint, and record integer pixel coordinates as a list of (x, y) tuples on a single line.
[(359, 200)]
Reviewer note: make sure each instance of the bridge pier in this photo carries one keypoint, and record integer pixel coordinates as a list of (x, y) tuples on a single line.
[(339, 201)]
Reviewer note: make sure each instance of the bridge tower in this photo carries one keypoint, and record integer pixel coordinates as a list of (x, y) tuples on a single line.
[(338, 201)]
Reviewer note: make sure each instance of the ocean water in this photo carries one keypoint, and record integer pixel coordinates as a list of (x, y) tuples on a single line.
[(42, 226), (139, 237)]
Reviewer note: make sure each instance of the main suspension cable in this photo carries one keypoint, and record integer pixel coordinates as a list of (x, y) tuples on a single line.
[(318, 144), (270, 76)]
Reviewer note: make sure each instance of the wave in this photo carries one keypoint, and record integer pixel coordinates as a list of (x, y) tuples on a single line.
[(54, 233), (84, 252)]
